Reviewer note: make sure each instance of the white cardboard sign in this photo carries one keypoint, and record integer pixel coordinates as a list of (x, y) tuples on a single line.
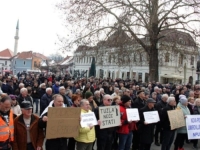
[(151, 117), (193, 126), (132, 114), (109, 116), (88, 119)]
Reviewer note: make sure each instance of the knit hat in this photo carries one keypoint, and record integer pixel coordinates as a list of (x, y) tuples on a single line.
[(183, 99), (125, 99), (88, 94), (13, 97)]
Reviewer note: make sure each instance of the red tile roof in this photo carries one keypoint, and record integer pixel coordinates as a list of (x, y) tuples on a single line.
[(40, 56), (24, 55), (7, 53)]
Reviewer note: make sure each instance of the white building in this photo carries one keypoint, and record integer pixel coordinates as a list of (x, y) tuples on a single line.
[(120, 57), (5, 60)]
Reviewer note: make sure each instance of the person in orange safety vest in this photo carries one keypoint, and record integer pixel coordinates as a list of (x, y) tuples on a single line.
[(6, 124)]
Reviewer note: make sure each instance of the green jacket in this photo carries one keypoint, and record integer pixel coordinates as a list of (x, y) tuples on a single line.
[(185, 111), (85, 134)]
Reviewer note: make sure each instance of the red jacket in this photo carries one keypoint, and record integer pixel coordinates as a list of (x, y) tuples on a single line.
[(126, 127)]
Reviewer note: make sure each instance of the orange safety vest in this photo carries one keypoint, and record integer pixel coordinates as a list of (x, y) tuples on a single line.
[(7, 130)]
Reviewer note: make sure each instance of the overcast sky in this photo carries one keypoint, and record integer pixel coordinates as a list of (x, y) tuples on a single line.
[(39, 24)]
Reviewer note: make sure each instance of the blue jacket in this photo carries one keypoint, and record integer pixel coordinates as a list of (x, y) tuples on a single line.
[(44, 102), (55, 89)]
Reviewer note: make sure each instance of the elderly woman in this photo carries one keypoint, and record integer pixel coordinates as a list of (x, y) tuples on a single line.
[(182, 132), (196, 111)]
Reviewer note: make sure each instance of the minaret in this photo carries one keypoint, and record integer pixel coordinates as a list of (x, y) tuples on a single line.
[(16, 38)]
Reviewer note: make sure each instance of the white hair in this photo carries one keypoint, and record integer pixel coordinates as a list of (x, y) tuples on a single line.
[(23, 90), (156, 88), (165, 96), (48, 89), (101, 89), (170, 99), (96, 92), (61, 88), (21, 85), (43, 84)]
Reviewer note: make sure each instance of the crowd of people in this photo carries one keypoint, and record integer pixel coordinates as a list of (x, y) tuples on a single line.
[(25, 98)]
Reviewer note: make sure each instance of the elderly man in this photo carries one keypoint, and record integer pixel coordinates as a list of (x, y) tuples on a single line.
[(62, 92), (27, 134), (24, 96), (168, 134), (97, 98), (146, 130), (104, 136), (86, 134), (6, 124), (159, 107), (45, 100), (58, 143)]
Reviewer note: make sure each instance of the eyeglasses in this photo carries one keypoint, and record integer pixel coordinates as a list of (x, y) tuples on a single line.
[(110, 100)]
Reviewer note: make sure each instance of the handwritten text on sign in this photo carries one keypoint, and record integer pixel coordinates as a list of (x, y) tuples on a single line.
[(63, 122), (88, 119), (109, 116), (132, 114), (151, 116), (193, 126)]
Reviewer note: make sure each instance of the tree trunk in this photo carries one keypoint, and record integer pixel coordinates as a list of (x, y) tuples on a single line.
[(153, 63)]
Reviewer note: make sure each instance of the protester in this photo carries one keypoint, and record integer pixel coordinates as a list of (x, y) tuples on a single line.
[(181, 132), (15, 106), (27, 134), (36, 95), (168, 134), (89, 97), (24, 96), (45, 100), (6, 124), (58, 143), (86, 134)]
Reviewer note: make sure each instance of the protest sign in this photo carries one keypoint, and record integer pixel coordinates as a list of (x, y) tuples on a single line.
[(132, 114), (109, 116), (63, 122), (193, 126), (88, 119), (151, 117), (176, 119)]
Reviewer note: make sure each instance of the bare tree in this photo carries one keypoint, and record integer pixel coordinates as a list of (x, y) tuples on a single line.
[(94, 20)]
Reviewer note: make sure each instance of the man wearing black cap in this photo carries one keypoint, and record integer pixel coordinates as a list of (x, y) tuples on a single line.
[(146, 130), (27, 134), (139, 103)]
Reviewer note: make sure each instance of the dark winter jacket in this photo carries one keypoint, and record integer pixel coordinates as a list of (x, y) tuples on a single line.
[(44, 102)]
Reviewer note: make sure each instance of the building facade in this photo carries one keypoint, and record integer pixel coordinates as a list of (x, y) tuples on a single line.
[(5, 60), (126, 59)]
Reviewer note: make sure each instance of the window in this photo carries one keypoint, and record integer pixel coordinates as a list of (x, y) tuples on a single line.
[(180, 59), (167, 57), (24, 62), (192, 60), (5, 62)]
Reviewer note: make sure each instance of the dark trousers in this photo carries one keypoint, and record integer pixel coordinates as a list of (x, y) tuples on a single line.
[(179, 142), (136, 140), (115, 141), (29, 146), (84, 146), (145, 146), (157, 131), (71, 144), (195, 142), (125, 141), (168, 138), (56, 145), (104, 142)]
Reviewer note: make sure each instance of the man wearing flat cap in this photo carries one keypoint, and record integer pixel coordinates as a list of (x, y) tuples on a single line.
[(139, 103), (146, 130), (27, 134)]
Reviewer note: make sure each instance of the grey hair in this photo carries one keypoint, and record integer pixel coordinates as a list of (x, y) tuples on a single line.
[(21, 85), (156, 88), (116, 89), (195, 102), (170, 99), (68, 91), (43, 84), (61, 88), (96, 92), (101, 89), (165, 96), (83, 101), (104, 97), (23, 90), (48, 89)]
